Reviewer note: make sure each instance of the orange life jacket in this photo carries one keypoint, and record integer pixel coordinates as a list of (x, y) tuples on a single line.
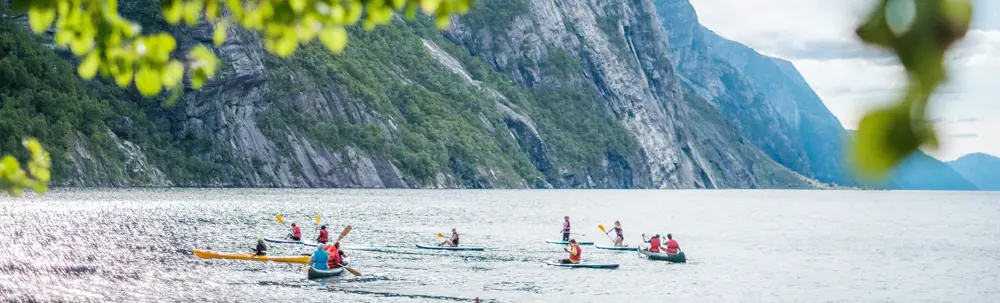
[(575, 258), (654, 245), (672, 247)]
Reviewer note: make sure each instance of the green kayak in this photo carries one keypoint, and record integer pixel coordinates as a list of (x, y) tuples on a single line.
[(675, 258), (320, 274)]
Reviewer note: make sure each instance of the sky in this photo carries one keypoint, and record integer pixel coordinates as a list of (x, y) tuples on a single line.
[(851, 78)]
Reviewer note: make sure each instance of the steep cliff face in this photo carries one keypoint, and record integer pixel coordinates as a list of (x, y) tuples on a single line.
[(548, 93), (618, 52), (770, 123), (822, 135)]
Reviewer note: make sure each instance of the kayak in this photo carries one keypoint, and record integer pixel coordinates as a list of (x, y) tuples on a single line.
[(615, 248), (567, 242), (583, 265), (675, 258), (207, 254), (319, 273), (435, 247)]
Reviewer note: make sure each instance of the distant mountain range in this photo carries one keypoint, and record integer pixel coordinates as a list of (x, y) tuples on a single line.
[(981, 169)]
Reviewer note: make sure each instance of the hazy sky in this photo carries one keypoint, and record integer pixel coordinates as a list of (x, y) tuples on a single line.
[(817, 36)]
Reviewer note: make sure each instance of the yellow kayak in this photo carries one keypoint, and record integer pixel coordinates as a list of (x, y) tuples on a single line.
[(207, 254)]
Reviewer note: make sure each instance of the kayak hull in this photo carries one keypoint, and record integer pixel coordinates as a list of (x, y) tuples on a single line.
[(320, 274), (460, 248), (675, 258), (567, 242), (207, 254), (616, 248), (583, 265)]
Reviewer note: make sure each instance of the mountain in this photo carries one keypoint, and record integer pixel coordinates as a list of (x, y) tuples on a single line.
[(516, 94), (768, 99), (920, 171), (981, 169)]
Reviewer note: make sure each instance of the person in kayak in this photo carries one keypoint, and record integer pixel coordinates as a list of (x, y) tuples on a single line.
[(654, 243), (618, 230), (672, 246), (319, 258), (574, 253), (296, 233), (453, 241), (565, 229), (333, 250), (261, 249), (323, 235)]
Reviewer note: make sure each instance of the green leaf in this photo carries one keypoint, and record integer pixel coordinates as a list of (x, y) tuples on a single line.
[(884, 137), (220, 33), (173, 11), (88, 68), (173, 73), (297, 5), (40, 17), (334, 38), (148, 82)]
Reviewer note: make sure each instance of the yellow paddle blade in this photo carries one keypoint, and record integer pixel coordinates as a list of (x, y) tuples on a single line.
[(280, 220), (601, 226), (440, 235), (353, 271), (317, 220), (344, 233)]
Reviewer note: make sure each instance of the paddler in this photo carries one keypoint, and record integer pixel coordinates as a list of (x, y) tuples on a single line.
[(261, 249), (672, 246), (618, 230), (319, 258), (565, 229), (574, 253), (335, 258), (654, 243), (323, 235), (296, 233), (453, 241)]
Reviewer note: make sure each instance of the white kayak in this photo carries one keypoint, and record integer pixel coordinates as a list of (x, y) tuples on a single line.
[(567, 242), (583, 265), (616, 248), (465, 248)]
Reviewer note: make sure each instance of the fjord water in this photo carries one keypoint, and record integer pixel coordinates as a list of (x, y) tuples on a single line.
[(773, 246)]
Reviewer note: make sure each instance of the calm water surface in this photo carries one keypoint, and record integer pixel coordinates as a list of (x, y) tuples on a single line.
[(757, 246)]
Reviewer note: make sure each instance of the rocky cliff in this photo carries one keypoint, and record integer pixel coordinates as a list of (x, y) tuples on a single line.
[(544, 93)]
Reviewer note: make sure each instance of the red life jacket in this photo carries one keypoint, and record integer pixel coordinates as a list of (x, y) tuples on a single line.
[(334, 255), (575, 258), (322, 236), (654, 245), (672, 247), (296, 232)]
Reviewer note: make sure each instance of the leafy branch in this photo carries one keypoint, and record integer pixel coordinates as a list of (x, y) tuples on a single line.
[(919, 32)]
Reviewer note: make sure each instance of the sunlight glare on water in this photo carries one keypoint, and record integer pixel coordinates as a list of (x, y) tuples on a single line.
[(773, 246)]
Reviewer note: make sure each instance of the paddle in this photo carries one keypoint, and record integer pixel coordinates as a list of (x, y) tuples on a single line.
[(280, 220), (343, 233), (601, 226)]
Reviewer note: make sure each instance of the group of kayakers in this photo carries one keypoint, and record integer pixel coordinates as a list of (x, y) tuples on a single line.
[(321, 257), (655, 243)]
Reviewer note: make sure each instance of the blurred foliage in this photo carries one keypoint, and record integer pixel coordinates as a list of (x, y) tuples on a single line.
[(14, 178), (114, 46), (919, 32)]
